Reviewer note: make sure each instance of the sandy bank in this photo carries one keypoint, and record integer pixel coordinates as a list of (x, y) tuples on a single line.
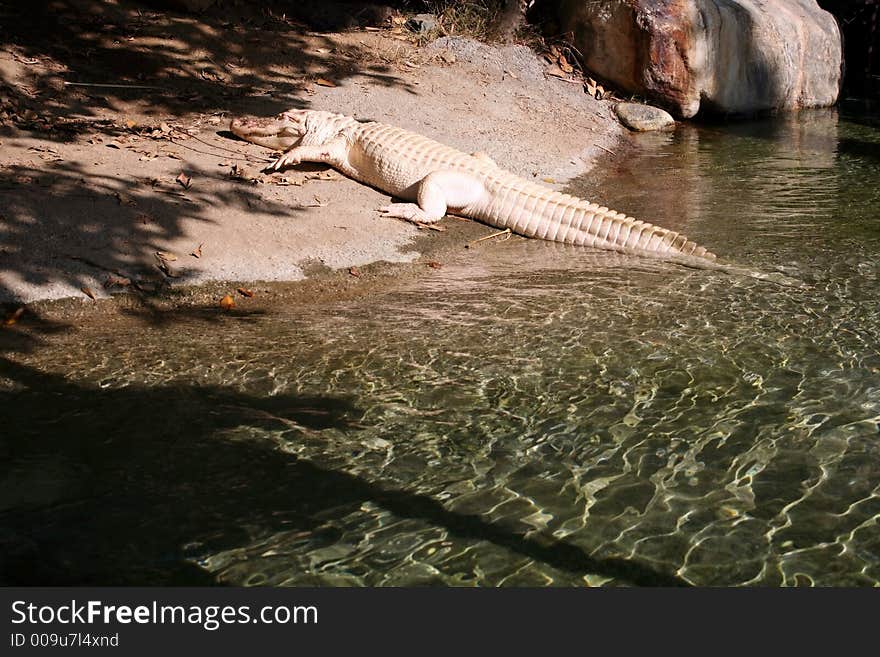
[(95, 181)]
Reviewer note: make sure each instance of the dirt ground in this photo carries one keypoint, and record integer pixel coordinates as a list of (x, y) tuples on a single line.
[(117, 173)]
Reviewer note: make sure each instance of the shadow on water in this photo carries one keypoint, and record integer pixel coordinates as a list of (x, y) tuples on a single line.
[(91, 499), (859, 148)]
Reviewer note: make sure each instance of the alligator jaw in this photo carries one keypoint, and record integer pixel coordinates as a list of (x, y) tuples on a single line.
[(278, 133)]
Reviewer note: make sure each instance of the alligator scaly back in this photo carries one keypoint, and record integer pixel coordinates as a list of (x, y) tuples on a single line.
[(436, 179)]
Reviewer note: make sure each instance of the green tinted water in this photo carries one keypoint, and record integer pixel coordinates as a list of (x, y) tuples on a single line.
[(530, 414)]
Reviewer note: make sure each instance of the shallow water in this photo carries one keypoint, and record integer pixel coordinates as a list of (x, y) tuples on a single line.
[(529, 414)]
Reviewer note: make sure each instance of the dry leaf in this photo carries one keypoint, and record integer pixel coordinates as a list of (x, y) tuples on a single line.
[(163, 266), (114, 144), (433, 264), (243, 291), (130, 124), (212, 76), (564, 65), (25, 60), (325, 83), (556, 72), (184, 180), (164, 255), (13, 317), (322, 175), (88, 292), (354, 271), (284, 181), (319, 203), (113, 281), (227, 302), (197, 253)]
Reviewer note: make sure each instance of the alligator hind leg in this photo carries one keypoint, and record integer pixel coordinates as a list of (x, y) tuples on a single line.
[(436, 193)]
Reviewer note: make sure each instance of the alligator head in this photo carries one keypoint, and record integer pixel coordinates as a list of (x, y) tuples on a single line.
[(288, 128), (278, 133)]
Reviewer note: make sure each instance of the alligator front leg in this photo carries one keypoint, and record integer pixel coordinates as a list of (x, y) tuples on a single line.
[(333, 152), (436, 193)]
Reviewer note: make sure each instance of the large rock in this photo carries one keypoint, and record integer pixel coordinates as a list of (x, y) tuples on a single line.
[(723, 56)]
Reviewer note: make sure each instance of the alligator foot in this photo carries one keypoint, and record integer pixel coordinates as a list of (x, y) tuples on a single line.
[(288, 159), (409, 212)]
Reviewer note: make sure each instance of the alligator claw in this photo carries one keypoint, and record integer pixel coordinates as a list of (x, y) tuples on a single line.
[(408, 211), (285, 160)]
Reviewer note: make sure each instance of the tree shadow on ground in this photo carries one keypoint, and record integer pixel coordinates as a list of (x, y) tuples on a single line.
[(176, 63), (68, 222), (132, 485)]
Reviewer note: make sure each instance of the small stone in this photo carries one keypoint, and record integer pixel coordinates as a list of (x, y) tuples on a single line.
[(422, 23), (643, 117)]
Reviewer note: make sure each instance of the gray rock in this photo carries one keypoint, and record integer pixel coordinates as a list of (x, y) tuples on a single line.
[(422, 23), (642, 118), (722, 56)]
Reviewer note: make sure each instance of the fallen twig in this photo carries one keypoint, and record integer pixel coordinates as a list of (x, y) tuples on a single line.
[(100, 85), (506, 231), (439, 229), (240, 156)]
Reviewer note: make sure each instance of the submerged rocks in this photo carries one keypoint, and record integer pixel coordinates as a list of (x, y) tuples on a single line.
[(723, 56), (642, 118)]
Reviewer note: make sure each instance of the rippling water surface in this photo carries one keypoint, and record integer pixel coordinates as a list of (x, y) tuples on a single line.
[(529, 414)]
